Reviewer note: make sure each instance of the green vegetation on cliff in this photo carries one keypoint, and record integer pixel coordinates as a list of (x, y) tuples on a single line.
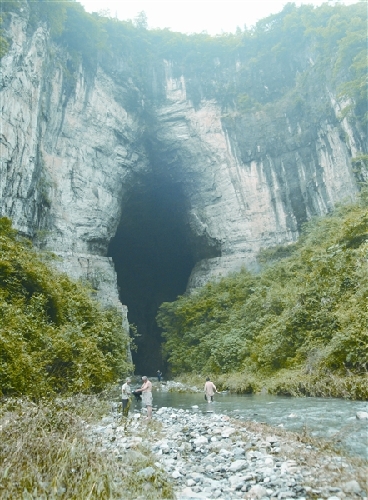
[(305, 314), (54, 338), (261, 65), (243, 71)]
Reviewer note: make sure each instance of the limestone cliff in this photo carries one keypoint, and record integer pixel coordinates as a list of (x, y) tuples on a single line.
[(78, 163), (66, 160)]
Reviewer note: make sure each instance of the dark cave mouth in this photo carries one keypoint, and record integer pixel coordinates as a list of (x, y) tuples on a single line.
[(154, 252)]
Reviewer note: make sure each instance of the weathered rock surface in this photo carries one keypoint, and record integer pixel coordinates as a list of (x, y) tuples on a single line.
[(66, 160), (70, 157)]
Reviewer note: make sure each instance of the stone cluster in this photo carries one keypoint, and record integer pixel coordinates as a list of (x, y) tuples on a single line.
[(209, 455)]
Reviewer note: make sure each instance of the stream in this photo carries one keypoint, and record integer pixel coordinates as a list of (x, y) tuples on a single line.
[(328, 418)]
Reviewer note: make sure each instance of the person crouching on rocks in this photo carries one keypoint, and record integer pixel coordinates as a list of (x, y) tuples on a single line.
[(146, 391), (125, 396), (209, 390)]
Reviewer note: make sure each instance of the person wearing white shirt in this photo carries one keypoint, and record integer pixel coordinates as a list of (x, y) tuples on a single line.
[(209, 390), (125, 396)]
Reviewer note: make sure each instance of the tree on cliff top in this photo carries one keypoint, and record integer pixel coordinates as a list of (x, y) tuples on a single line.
[(329, 40)]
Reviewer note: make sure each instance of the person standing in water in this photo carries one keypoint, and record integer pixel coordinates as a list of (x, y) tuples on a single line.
[(209, 390), (146, 391)]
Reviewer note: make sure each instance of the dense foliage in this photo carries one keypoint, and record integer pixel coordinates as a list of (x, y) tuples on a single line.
[(54, 338), (306, 310), (280, 54)]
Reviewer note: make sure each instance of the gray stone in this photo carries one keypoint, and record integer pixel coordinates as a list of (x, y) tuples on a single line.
[(239, 452), (238, 465), (176, 474), (236, 481), (200, 440), (271, 439), (351, 487), (362, 415), (227, 432), (256, 491), (191, 482), (287, 494), (147, 472)]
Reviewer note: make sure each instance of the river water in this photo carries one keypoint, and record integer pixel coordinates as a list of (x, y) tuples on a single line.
[(327, 418)]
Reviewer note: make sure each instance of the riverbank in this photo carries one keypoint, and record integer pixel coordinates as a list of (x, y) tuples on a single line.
[(46, 453), (81, 448), (288, 382), (331, 419), (209, 456)]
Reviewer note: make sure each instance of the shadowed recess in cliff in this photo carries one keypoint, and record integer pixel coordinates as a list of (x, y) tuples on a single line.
[(154, 253)]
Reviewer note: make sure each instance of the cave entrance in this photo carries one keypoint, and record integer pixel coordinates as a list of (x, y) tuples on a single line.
[(154, 253)]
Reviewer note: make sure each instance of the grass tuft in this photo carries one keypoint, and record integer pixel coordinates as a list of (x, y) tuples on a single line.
[(45, 453)]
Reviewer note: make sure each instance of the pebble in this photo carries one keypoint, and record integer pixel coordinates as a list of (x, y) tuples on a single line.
[(209, 456), (361, 415)]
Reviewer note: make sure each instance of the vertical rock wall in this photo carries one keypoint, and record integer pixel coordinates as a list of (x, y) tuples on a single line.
[(70, 154), (253, 180)]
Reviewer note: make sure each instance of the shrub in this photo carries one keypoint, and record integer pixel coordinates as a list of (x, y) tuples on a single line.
[(54, 338), (306, 311)]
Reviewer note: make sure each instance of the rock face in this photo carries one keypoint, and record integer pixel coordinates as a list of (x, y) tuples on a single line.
[(66, 161), (80, 165)]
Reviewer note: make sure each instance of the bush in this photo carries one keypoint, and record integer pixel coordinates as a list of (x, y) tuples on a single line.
[(54, 338), (305, 312)]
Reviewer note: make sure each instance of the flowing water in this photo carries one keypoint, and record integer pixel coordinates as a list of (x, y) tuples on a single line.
[(328, 418)]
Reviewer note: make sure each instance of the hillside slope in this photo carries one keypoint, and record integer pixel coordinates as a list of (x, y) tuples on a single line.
[(54, 338), (304, 318)]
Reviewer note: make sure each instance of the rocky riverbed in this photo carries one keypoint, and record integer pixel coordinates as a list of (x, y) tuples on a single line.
[(208, 455)]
